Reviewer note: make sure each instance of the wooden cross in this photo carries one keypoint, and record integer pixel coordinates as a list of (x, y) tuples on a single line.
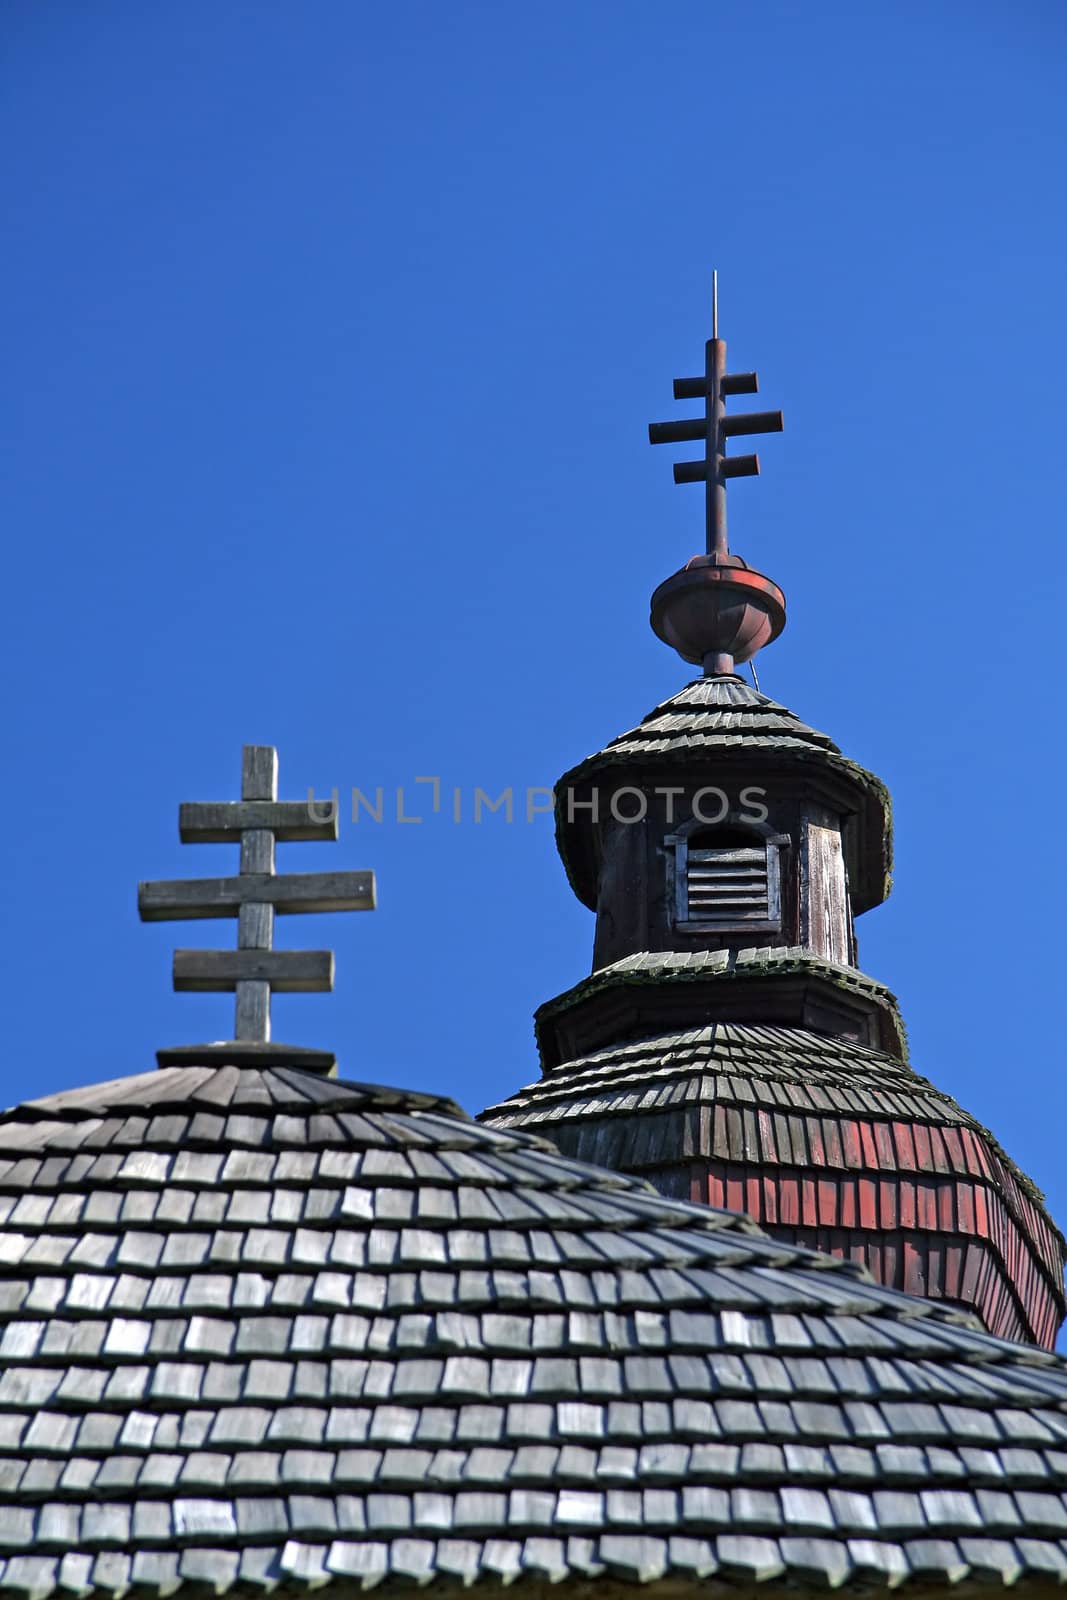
[(255, 969), (714, 428)]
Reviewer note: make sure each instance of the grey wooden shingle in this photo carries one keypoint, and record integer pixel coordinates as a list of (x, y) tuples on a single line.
[(365, 1336)]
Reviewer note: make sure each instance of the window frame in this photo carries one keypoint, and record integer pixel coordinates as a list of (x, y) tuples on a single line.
[(763, 838)]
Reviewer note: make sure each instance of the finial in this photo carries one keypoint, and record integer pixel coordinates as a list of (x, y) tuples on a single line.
[(716, 610), (714, 428), (255, 969)]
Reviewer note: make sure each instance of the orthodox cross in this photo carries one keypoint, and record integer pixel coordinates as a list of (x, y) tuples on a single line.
[(714, 428), (255, 969)]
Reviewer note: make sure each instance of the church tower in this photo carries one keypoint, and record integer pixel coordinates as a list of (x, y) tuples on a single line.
[(726, 1045)]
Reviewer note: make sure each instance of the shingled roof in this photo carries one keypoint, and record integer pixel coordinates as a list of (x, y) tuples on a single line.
[(738, 1069), (729, 972), (714, 713), (262, 1330), (821, 1140)]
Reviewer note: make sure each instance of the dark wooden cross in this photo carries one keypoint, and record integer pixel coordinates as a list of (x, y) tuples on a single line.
[(714, 428), (255, 969)]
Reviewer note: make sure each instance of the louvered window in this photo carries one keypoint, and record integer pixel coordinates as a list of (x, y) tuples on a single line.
[(727, 885)]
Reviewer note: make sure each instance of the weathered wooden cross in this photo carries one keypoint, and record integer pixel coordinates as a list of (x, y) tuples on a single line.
[(255, 969)]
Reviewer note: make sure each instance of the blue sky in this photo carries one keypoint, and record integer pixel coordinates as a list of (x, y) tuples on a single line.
[(330, 338)]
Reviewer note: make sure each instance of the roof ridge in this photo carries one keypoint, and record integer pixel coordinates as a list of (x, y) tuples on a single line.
[(223, 1087)]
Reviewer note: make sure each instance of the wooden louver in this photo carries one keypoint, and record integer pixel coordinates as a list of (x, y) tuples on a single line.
[(729, 888)]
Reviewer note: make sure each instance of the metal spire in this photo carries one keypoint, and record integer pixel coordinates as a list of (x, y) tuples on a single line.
[(717, 610), (714, 428)]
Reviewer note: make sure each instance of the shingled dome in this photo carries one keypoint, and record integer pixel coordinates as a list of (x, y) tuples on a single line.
[(266, 1330), (822, 1142), (714, 713)]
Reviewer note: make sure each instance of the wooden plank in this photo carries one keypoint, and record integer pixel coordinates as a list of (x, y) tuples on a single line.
[(867, 1192), (255, 926), (259, 772), (926, 1205), (938, 1153), (708, 896), (883, 1143), (768, 1148), (718, 874), (257, 853), (825, 918), (809, 1201), (284, 971), (906, 1205), (189, 898), (905, 1147), (914, 1275), (923, 1157), (222, 822), (868, 1146), (722, 884), (831, 1133), (742, 860), (850, 1136)]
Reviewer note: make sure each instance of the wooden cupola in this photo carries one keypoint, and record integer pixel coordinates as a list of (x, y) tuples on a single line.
[(726, 1045)]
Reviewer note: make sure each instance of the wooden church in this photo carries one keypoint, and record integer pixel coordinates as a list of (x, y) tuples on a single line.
[(267, 1331)]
